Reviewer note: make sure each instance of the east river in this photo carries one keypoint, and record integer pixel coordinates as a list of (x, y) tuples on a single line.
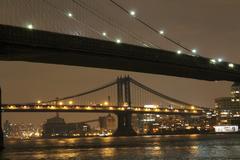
[(176, 147)]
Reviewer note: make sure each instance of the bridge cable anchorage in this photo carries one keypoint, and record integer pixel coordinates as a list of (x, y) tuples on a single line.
[(152, 28), (130, 34), (170, 99), (84, 93)]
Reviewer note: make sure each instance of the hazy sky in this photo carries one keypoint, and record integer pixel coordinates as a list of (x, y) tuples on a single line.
[(210, 26)]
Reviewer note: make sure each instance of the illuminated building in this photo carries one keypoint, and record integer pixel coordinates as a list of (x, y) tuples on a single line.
[(20, 130), (228, 108)]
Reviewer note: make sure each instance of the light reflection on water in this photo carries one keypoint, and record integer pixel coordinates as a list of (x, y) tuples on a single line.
[(126, 148)]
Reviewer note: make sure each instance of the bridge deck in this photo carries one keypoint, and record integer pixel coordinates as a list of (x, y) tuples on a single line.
[(103, 109), (20, 44)]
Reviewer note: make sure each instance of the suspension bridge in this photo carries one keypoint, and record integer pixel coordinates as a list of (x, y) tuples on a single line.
[(74, 40), (123, 97)]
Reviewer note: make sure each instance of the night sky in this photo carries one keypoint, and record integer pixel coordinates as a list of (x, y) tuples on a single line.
[(210, 26)]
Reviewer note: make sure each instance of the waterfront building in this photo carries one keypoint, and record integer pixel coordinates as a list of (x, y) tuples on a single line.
[(57, 126), (107, 122), (20, 130), (228, 108)]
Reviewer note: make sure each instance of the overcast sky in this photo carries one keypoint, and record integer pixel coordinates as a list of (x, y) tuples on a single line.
[(210, 26)]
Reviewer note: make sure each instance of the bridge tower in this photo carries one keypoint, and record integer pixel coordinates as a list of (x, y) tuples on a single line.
[(124, 99), (1, 131)]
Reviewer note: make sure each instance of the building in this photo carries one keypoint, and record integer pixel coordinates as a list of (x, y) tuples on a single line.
[(107, 122), (228, 108), (21, 130), (57, 126)]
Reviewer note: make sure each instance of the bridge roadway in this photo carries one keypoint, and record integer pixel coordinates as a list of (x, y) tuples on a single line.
[(94, 108), (20, 44)]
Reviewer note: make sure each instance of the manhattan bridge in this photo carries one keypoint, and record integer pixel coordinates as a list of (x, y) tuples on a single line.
[(123, 96)]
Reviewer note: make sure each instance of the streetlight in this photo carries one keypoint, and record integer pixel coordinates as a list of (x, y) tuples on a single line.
[(30, 26), (132, 13), (194, 51), (70, 102), (118, 41), (70, 14), (179, 52), (231, 65), (161, 32), (104, 34)]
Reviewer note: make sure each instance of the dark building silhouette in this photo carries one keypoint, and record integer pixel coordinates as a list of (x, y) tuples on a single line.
[(57, 126), (107, 122)]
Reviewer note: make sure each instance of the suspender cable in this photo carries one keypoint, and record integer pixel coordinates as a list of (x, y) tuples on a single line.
[(151, 28)]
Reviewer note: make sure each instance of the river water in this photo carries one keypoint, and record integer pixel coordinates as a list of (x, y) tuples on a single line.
[(175, 147)]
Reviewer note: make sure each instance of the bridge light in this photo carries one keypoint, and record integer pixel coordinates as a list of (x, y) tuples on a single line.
[(70, 14), (106, 103), (39, 102), (104, 34), (89, 108), (118, 41), (70, 102), (194, 51), (219, 59), (65, 107), (213, 61), (60, 103), (161, 32), (132, 13), (194, 111), (231, 65), (52, 107), (30, 26), (12, 107), (145, 45), (179, 52), (157, 110), (192, 107)]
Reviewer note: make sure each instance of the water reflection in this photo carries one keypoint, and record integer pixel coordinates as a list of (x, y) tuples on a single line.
[(150, 147)]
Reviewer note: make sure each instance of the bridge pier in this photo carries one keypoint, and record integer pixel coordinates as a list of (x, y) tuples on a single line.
[(125, 125), (1, 131)]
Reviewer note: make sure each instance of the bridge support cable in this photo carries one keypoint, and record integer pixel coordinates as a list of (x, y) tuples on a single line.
[(169, 99), (134, 36), (63, 13), (151, 27), (1, 130), (84, 93)]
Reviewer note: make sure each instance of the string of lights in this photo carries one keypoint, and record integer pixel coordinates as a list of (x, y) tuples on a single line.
[(98, 15), (118, 40), (161, 32), (70, 15)]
